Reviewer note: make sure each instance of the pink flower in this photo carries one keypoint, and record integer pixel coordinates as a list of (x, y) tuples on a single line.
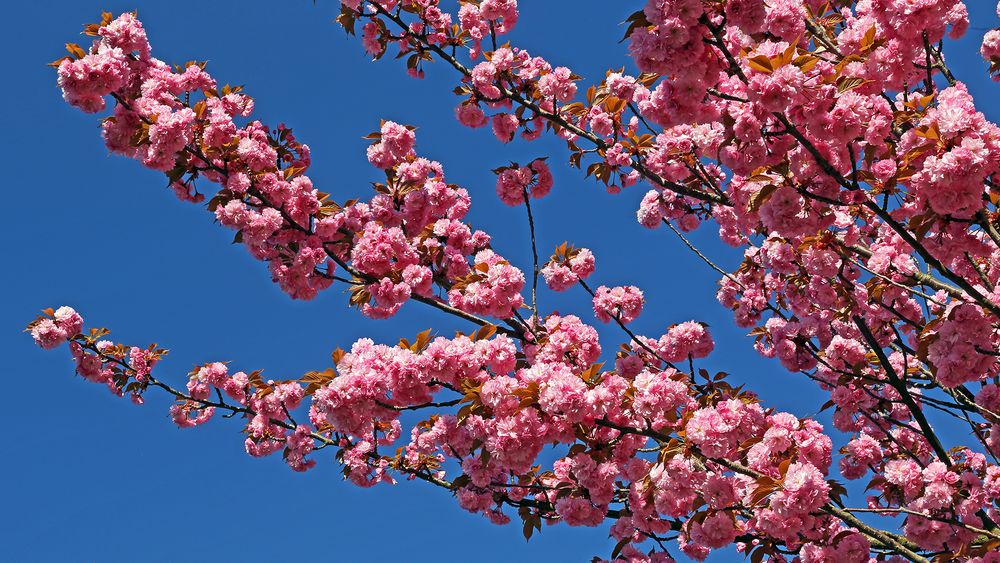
[(618, 156), (168, 136), (748, 15), (955, 352), (68, 320), (86, 81), (862, 452), (504, 12), (777, 90), (688, 339), (190, 414), (395, 144), (718, 430), (493, 289), (577, 511), (805, 489), (562, 392), (906, 474), (370, 34), (991, 50), (504, 126), (677, 483), (623, 303), (717, 530), (515, 182), (658, 395), (568, 340), (471, 116), (560, 275), (298, 444), (126, 33), (379, 251), (48, 334), (952, 182), (558, 85), (785, 19)]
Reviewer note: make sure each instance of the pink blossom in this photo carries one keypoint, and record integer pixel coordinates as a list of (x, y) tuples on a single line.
[(471, 116), (504, 126), (623, 303), (495, 288), (990, 50), (560, 275), (558, 84), (688, 339), (567, 340), (395, 143), (86, 81), (718, 430), (48, 334)]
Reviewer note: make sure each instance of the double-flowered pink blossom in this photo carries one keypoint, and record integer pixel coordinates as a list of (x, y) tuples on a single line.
[(568, 267), (623, 303), (516, 183), (828, 142)]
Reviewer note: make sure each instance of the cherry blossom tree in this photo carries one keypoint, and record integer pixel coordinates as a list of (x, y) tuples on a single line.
[(827, 139)]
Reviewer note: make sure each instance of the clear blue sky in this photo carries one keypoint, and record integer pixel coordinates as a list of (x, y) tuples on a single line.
[(89, 477)]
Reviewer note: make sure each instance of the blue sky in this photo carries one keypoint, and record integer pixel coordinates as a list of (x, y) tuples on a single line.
[(89, 477)]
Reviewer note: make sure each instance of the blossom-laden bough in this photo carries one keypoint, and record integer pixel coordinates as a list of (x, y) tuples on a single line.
[(827, 138)]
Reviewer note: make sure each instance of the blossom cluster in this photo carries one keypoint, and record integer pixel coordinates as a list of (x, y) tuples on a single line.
[(829, 141), (515, 183), (821, 139), (760, 472), (398, 244), (798, 141)]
